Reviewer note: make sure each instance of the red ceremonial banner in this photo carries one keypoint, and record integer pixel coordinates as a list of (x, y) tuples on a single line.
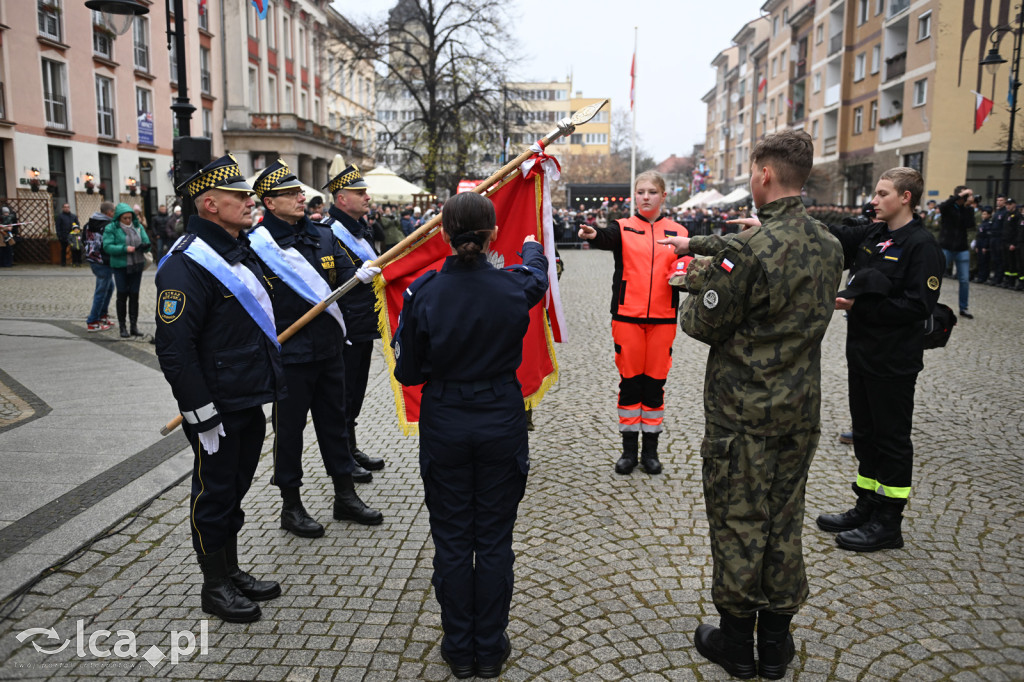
[(522, 209)]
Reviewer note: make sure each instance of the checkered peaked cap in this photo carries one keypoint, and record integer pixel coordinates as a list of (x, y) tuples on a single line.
[(350, 178), (276, 176), (220, 174)]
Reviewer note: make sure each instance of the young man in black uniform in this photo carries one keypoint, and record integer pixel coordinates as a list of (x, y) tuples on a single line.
[(346, 220), (304, 263), (217, 346), (884, 351)]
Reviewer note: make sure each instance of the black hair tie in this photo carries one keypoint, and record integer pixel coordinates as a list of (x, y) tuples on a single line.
[(466, 237)]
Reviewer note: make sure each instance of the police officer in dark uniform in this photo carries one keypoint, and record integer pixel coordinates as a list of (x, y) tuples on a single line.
[(1009, 236), (217, 346), (304, 263), (346, 218), (461, 332), (884, 352)]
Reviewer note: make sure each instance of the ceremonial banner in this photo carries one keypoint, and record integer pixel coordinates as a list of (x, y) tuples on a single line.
[(523, 207)]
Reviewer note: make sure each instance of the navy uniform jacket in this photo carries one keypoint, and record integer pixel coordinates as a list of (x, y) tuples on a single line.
[(322, 337), (359, 304), (212, 353), (467, 322), (885, 335)]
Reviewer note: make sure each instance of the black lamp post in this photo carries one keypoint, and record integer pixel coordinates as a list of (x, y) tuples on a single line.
[(992, 62), (189, 153)]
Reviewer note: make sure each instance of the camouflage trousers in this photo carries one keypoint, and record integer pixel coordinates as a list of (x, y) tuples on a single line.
[(754, 495)]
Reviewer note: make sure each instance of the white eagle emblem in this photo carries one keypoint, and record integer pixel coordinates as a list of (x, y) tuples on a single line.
[(710, 299)]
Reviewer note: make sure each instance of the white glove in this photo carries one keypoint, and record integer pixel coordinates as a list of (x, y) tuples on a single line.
[(366, 273), (210, 440)]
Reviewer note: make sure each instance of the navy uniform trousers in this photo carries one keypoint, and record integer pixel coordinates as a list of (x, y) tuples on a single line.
[(358, 356), (221, 480), (316, 387), (474, 457)]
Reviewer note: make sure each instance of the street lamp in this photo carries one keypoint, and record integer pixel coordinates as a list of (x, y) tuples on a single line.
[(189, 153), (992, 62)]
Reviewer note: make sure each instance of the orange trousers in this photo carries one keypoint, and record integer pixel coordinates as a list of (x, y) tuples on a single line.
[(643, 356)]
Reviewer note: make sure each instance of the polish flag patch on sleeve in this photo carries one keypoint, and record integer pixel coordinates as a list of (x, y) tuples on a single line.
[(727, 265)]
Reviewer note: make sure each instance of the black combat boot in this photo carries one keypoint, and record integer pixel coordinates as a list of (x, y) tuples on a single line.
[(220, 597), (133, 313), (775, 647), (852, 518), (883, 531), (255, 590), (649, 453), (121, 305), (294, 517), (630, 452), (730, 646), (363, 459), (348, 506)]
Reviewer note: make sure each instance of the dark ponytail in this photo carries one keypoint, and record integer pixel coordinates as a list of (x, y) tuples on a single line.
[(468, 220)]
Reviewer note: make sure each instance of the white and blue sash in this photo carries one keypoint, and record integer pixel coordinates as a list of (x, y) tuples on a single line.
[(294, 270), (241, 282), (356, 245)]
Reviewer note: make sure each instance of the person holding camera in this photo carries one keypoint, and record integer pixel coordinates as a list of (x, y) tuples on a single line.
[(956, 218)]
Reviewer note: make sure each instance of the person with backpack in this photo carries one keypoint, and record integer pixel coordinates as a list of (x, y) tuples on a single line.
[(65, 219), (92, 248)]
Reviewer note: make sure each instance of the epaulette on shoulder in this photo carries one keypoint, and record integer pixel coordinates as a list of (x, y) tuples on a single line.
[(418, 284), (184, 242), (516, 267)]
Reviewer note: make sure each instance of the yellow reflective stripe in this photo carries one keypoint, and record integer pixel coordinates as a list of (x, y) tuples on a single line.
[(866, 483), (895, 493)]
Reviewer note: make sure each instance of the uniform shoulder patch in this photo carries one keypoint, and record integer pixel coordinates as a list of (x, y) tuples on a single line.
[(710, 299), (418, 284), (170, 304), (184, 242), (933, 283)]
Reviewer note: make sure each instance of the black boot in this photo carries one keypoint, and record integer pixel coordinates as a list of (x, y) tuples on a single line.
[(294, 517), (852, 518), (883, 531), (220, 597), (362, 459), (730, 646), (649, 454), (255, 590), (348, 506), (133, 313), (121, 305), (630, 452), (775, 648)]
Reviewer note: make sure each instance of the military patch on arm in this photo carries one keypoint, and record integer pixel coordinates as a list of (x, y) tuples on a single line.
[(933, 283), (170, 304)]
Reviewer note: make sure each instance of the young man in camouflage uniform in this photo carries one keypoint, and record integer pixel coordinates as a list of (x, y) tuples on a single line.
[(762, 301)]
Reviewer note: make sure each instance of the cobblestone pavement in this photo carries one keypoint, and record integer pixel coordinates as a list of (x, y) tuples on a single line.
[(612, 573)]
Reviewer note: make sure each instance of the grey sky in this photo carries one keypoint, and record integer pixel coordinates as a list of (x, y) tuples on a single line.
[(594, 41)]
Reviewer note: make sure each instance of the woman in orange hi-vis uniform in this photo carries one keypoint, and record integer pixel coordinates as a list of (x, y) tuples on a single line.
[(643, 316)]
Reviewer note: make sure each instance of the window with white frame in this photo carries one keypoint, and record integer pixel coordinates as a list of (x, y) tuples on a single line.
[(303, 104), (862, 11), (817, 82), (207, 122), (55, 94), (173, 56), (104, 106), (873, 116), (254, 89), (819, 34), (271, 27), (814, 129), (775, 64), (920, 92), (300, 47), (252, 20), (204, 15), (289, 99), (272, 94), (102, 37), (858, 120), (775, 26), (879, 7), (204, 71), (876, 59), (596, 138), (140, 44), (143, 101), (48, 13), (860, 66), (924, 25), (286, 36)]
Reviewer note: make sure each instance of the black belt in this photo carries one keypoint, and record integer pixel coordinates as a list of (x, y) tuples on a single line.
[(469, 388)]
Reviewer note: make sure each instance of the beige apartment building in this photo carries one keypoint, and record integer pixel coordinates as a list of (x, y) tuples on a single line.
[(533, 109), (876, 83)]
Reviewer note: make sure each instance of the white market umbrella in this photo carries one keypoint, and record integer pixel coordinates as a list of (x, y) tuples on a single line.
[(387, 187)]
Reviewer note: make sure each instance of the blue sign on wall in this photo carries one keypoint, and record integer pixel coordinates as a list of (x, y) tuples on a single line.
[(146, 127)]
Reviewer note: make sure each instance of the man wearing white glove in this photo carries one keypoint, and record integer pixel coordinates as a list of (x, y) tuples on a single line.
[(367, 272), (210, 440)]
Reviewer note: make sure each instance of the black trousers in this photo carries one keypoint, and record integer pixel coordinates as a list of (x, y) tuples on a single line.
[(474, 457), (317, 388), (221, 480), (882, 412), (357, 374)]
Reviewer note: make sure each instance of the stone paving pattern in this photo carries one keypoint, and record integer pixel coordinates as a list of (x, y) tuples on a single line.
[(612, 573)]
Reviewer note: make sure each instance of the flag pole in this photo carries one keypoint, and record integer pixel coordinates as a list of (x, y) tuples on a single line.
[(565, 127), (632, 107)]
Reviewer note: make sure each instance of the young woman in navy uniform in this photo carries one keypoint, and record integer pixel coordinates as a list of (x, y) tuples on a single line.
[(304, 263), (218, 350), (461, 331)]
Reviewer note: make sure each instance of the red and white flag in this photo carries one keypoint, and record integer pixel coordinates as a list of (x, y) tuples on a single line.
[(762, 84), (632, 82), (523, 206), (982, 108)]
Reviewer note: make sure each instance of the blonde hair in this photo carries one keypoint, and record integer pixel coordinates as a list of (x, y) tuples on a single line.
[(652, 176)]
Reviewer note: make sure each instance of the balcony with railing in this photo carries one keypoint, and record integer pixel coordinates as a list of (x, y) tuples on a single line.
[(832, 94), (890, 128), (835, 44), (295, 124), (830, 145), (895, 66), (897, 7)]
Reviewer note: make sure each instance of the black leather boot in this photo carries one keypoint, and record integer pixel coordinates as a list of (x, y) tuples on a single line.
[(255, 590), (852, 518), (883, 531), (294, 517), (348, 506), (649, 454), (775, 647), (361, 475), (361, 458), (121, 305), (630, 452), (133, 313), (731, 646), (220, 597)]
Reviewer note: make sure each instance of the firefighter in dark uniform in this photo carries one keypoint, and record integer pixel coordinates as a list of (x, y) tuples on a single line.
[(1009, 236), (461, 332), (885, 352), (346, 218), (218, 350), (304, 263)]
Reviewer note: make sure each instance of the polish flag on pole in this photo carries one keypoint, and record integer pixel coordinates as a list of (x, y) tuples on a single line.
[(762, 84), (982, 108), (261, 7)]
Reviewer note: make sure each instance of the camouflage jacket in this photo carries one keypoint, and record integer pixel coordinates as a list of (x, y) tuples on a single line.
[(763, 302)]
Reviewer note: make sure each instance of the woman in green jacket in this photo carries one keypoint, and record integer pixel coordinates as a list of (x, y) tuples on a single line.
[(126, 242)]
